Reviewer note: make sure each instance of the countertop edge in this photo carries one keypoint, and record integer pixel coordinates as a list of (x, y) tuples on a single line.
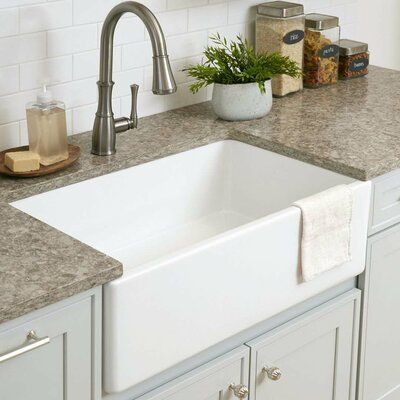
[(59, 294)]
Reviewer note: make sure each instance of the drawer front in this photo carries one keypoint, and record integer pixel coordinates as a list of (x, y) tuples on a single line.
[(59, 368), (211, 381), (312, 357), (386, 202)]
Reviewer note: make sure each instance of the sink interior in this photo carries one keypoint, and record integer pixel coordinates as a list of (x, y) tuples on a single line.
[(149, 211)]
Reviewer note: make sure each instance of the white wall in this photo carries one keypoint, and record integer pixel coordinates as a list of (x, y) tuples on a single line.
[(59, 40), (380, 28)]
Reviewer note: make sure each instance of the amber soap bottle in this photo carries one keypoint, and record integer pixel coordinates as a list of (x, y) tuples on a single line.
[(47, 128)]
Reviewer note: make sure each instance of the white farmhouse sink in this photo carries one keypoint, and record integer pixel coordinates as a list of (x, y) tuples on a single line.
[(210, 246)]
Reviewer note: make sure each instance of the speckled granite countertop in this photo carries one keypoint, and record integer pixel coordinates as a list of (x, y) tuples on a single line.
[(351, 128)]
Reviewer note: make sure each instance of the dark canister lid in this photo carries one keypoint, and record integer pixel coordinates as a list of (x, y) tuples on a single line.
[(321, 21), (280, 9), (350, 47)]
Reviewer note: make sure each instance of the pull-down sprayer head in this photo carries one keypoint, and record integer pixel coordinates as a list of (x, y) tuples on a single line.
[(105, 126), (163, 79)]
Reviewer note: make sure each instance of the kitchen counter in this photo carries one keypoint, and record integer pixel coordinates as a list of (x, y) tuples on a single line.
[(351, 128)]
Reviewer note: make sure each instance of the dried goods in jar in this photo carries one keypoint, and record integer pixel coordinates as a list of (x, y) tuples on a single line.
[(280, 28), (321, 51), (354, 59)]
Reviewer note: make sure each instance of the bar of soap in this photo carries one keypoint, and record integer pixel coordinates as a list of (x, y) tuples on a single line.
[(22, 161)]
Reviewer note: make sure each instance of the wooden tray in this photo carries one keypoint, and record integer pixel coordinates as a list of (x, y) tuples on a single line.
[(74, 153)]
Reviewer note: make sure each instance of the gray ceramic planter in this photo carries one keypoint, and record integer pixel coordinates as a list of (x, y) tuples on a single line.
[(241, 102)]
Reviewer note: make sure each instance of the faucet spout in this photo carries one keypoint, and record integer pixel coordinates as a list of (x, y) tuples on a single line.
[(105, 126)]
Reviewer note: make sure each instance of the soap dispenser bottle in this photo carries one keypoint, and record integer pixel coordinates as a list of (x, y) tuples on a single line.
[(47, 128)]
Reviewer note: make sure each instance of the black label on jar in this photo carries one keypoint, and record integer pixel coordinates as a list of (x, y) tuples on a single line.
[(359, 65), (293, 37), (331, 50)]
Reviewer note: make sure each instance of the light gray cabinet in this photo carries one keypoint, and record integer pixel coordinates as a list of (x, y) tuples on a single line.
[(58, 363), (314, 356), (311, 358), (380, 340), (213, 381)]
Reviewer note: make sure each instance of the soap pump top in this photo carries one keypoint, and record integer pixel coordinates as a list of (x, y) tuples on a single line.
[(45, 96), (44, 100)]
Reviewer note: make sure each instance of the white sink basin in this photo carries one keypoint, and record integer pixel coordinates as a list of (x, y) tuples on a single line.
[(209, 243)]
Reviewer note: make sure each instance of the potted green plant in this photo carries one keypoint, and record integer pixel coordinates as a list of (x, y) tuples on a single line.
[(241, 77)]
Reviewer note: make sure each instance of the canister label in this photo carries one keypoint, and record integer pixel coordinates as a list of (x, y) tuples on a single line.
[(331, 50), (359, 65), (293, 37)]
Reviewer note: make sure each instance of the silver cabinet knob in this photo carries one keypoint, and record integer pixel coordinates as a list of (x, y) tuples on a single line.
[(273, 373), (240, 391)]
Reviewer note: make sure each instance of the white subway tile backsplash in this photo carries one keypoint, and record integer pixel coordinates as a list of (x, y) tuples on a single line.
[(89, 11), (183, 97), (51, 70), (231, 32), (173, 22), (188, 45), (21, 48), (83, 118), (128, 30), (51, 15), (9, 22), (155, 5), (86, 64), (71, 40), (172, 4), (241, 11), (59, 40), (9, 136), (9, 80), (208, 16), (16, 3), (76, 93), (124, 79), (136, 55), (12, 107), (148, 104)]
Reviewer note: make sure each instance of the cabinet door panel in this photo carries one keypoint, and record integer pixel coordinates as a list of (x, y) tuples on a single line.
[(380, 349), (208, 382), (23, 377), (58, 370), (315, 353)]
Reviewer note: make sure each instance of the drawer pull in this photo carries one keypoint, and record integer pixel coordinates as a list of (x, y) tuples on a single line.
[(240, 391), (33, 343), (273, 373)]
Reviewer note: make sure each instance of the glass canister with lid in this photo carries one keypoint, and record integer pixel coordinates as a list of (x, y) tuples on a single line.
[(321, 50), (353, 59), (280, 28)]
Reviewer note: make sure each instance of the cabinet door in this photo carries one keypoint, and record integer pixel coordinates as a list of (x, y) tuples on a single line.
[(59, 368), (211, 381), (380, 344), (310, 358)]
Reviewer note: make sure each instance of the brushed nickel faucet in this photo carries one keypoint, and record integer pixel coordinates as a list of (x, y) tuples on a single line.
[(105, 125)]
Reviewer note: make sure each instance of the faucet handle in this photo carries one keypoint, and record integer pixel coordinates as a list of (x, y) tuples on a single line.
[(134, 92)]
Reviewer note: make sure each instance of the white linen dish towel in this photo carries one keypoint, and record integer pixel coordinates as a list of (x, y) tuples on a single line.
[(326, 230)]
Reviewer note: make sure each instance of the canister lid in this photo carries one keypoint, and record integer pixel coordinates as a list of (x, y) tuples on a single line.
[(321, 21), (349, 47), (280, 9)]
